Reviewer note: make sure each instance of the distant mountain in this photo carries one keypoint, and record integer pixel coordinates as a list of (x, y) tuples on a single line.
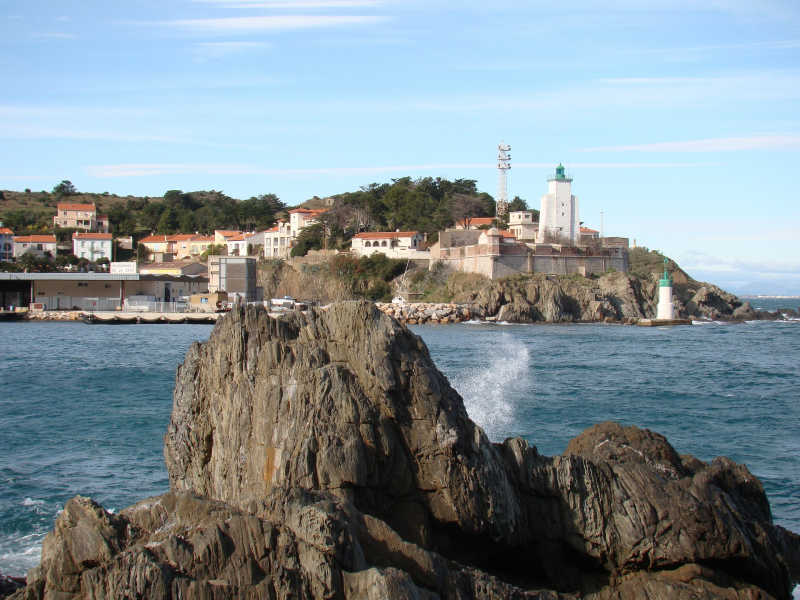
[(765, 288)]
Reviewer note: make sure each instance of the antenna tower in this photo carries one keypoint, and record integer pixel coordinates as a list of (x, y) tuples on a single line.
[(503, 165)]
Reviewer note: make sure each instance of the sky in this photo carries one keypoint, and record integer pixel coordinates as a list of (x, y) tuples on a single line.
[(678, 119)]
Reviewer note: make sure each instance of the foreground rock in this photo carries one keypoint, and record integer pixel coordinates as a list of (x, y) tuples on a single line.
[(343, 465)]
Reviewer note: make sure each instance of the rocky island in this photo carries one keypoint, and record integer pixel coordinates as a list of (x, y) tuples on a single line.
[(323, 455)]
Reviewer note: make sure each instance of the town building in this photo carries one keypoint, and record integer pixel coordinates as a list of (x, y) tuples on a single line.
[(235, 275), (221, 236), (80, 216), (394, 244), (238, 245), (93, 291), (475, 223), (558, 217), (93, 246), (522, 225), (300, 218), (156, 243), (177, 268), (6, 244), (34, 244), (590, 234), (278, 241), (188, 246)]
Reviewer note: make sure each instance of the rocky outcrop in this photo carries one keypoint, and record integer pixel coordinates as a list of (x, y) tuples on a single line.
[(615, 296), (343, 465)]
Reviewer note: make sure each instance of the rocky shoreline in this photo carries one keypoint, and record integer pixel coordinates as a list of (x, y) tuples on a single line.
[(323, 455)]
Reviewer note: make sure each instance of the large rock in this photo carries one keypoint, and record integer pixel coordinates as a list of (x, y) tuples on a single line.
[(348, 468)]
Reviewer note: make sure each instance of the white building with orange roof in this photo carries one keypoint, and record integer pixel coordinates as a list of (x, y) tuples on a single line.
[(34, 244), (93, 246), (80, 216), (156, 243), (221, 236), (238, 245), (278, 241), (394, 244), (300, 218), (475, 223), (589, 234), (6, 243), (522, 225)]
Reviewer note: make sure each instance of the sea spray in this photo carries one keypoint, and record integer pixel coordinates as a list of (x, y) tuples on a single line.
[(487, 388)]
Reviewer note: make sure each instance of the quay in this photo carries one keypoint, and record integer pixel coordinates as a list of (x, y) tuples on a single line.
[(660, 322)]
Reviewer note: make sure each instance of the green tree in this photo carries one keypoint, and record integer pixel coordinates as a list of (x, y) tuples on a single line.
[(65, 188), (142, 253)]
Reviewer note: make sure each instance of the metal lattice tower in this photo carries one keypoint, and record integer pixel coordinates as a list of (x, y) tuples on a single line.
[(503, 165)]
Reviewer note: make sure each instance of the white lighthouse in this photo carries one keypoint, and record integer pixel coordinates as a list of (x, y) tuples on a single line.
[(559, 212), (666, 310)]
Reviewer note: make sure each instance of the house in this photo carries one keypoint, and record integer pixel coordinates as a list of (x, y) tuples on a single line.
[(222, 236), (237, 245), (80, 216), (475, 223), (92, 246), (155, 243), (6, 243), (522, 225), (300, 218), (199, 244), (174, 268), (394, 244), (278, 241), (235, 275), (589, 234), (34, 244)]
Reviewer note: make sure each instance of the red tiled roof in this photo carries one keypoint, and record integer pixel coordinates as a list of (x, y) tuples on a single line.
[(91, 236), (203, 239), (507, 234), (39, 239), (478, 221), (6, 231), (226, 234), (236, 238), (587, 230), (181, 237), (384, 235), (150, 239), (76, 207)]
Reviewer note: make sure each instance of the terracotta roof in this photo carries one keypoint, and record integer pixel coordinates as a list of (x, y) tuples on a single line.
[(76, 207), (225, 233), (587, 230), (203, 239), (102, 217), (477, 221), (308, 211), (273, 230), (507, 234), (384, 235), (91, 236), (181, 237), (6, 231), (153, 239), (236, 238), (39, 239)]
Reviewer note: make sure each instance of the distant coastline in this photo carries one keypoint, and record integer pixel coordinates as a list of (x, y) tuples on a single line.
[(768, 296)]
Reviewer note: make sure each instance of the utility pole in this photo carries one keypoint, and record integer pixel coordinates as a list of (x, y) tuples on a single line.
[(601, 223)]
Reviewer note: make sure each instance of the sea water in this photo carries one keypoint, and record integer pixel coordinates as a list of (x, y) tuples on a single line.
[(83, 409)]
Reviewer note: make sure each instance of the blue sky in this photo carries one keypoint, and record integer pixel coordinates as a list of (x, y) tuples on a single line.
[(679, 120)]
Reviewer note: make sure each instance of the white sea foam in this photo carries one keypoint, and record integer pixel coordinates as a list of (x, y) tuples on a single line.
[(796, 593), (486, 387), (31, 502), (19, 553)]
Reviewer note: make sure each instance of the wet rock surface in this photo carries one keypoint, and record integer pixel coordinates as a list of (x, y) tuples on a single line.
[(324, 456)]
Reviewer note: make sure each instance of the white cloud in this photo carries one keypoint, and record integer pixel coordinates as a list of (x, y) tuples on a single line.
[(144, 170), (293, 3), (11, 131), (55, 36), (15, 17), (274, 23), (222, 49), (732, 144), (62, 18), (702, 261)]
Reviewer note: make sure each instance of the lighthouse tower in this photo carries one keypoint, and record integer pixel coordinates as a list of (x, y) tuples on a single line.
[(559, 212), (666, 310)]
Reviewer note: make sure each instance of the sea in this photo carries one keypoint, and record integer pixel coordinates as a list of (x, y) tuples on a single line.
[(83, 409)]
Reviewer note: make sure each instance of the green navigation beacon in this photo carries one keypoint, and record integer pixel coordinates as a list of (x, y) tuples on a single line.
[(666, 280)]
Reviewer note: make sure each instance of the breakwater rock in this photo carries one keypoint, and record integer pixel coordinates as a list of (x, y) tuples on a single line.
[(323, 455), (418, 313), (615, 296)]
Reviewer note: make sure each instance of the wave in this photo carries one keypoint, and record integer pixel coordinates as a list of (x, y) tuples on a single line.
[(487, 387)]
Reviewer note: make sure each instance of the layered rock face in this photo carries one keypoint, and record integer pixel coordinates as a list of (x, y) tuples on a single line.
[(325, 456), (540, 298)]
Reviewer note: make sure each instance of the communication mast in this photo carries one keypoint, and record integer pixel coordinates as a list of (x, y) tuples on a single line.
[(503, 165)]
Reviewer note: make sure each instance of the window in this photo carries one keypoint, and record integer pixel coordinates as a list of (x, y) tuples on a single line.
[(64, 213), (82, 284), (39, 247)]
